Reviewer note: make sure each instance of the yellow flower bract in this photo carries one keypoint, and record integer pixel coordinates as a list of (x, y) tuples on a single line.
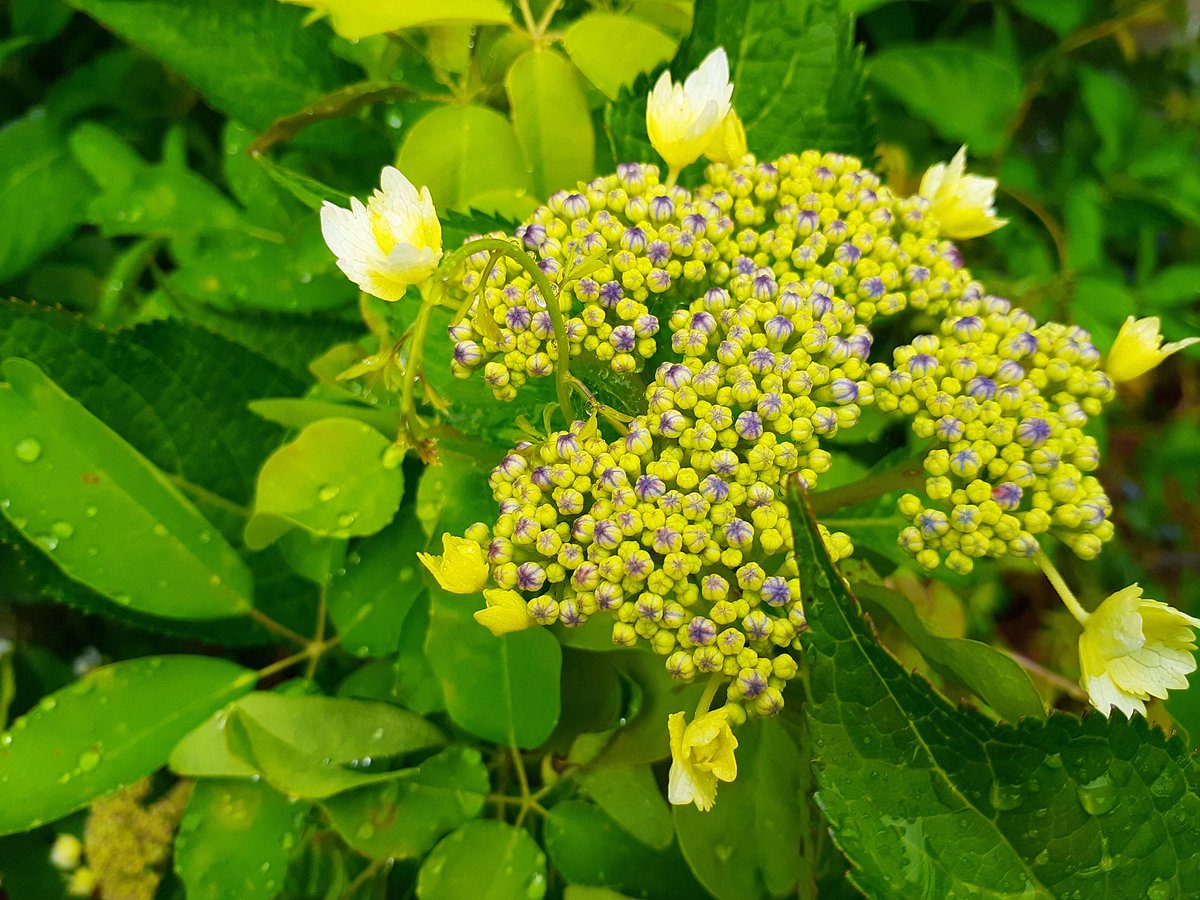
[(684, 119), (461, 569), (702, 753), (1133, 649), (1139, 348), (505, 613)]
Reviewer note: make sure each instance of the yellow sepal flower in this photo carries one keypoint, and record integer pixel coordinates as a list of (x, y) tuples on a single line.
[(962, 203), (461, 569), (1133, 649), (728, 144), (701, 755), (1139, 348), (683, 119), (391, 242), (505, 613)]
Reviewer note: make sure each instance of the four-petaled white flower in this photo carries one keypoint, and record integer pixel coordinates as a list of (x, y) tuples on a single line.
[(1139, 348), (1133, 649), (391, 242), (683, 119), (962, 203)]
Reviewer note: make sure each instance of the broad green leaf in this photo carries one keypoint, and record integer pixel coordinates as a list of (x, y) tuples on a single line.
[(163, 201), (235, 839), (797, 76), (103, 513), (1085, 224), (406, 680), (926, 799), (965, 93), (644, 738), (589, 848), (110, 161), (631, 797), (299, 412), (251, 59), (404, 817), (370, 597), (484, 860), (505, 689), (612, 50), (315, 747), (748, 845), (356, 19), (1112, 106), (1171, 287), (114, 725), (451, 497), (304, 188), (204, 752), (1064, 16), (150, 385), (339, 478), (992, 675), (552, 120), (38, 19), (462, 153), (45, 192)]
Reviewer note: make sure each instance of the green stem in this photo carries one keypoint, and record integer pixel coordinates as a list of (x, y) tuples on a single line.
[(430, 298), (906, 475), (1068, 598), (562, 374), (710, 691)]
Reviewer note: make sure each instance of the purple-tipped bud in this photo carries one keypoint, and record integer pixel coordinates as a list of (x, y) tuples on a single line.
[(775, 590), (611, 293), (1033, 432)]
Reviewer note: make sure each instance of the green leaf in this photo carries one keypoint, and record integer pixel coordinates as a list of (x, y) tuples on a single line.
[(589, 848), (313, 746), (38, 19), (114, 725), (631, 797), (1063, 16), (1112, 106), (797, 75), (612, 50), (965, 93), (505, 689), (747, 845), (163, 201), (45, 193), (1173, 286), (371, 596), (992, 675), (365, 18), (552, 121), (926, 799), (644, 739), (103, 513), (406, 680), (251, 59), (298, 412), (465, 154), (235, 839), (403, 818), (338, 478), (1084, 219), (484, 860)]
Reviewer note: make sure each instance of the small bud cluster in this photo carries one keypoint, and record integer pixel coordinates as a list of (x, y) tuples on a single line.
[(684, 542), (1004, 401), (767, 279)]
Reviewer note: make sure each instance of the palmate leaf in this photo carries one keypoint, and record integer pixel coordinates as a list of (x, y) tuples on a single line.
[(928, 800), (798, 78)]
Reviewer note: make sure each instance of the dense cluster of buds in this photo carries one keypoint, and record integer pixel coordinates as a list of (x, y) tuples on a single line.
[(755, 295)]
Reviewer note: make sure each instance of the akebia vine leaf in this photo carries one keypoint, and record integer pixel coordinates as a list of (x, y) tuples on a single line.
[(926, 799)]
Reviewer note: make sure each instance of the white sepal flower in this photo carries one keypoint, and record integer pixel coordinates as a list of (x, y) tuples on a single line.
[(391, 242), (963, 204), (683, 119), (1133, 649)]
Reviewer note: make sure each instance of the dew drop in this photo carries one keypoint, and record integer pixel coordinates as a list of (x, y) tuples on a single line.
[(28, 449), (122, 599), (365, 832), (160, 529), (90, 512), (47, 542), (345, 520), (63, 530), (724, 852), (1097, 796), (327, 492), (88, 760), (48, 703), (393, 456), (1005, 797)]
